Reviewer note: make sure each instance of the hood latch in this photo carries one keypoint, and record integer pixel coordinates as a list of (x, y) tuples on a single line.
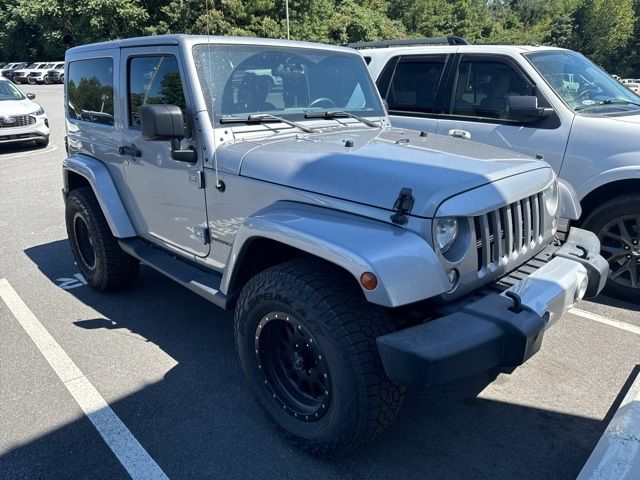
[(402, 206)]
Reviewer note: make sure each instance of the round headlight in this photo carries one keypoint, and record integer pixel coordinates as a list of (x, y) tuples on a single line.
[(446, 232), (550, 196)]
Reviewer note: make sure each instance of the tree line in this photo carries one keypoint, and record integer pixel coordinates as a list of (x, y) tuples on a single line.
[(604, 30)]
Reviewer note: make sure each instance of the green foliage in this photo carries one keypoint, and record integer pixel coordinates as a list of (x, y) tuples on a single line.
[(605, 30)]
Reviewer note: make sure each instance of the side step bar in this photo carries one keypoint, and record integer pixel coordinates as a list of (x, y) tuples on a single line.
[(203, 283)]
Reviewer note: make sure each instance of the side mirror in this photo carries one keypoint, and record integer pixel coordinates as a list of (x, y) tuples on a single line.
[(31, 96), (524, 108), (166, 123)]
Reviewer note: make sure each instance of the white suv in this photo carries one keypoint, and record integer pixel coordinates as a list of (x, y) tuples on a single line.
[(21, 119), (541, 101)]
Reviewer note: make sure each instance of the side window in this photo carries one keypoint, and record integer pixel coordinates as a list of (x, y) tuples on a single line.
[(154, 79), (483, 86), (415, 84), (90, 90)]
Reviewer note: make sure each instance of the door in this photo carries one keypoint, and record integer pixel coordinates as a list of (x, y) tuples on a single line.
[(478, 110), (167, 200), (410, 85)]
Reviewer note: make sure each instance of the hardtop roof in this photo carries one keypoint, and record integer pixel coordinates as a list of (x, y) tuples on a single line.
[(176, 39)]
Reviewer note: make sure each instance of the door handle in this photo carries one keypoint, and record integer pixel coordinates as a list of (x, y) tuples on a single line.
[(460, 134), (130, 150)]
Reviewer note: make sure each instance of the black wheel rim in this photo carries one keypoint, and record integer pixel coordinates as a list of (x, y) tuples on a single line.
[(292, 367), (84, 242), (619, 240)]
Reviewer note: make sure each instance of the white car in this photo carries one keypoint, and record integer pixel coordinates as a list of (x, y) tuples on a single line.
[(20, 76), (21, 119), (40, 75)]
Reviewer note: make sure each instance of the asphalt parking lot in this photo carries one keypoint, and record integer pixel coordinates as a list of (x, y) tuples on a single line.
[(164, 361)]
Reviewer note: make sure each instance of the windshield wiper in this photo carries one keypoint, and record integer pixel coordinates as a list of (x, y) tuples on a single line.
[(608, 101), (330, 115), (264, 118)]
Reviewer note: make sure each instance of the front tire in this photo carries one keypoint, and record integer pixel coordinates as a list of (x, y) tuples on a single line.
[(306, 340), (617, 224), (100, 259)]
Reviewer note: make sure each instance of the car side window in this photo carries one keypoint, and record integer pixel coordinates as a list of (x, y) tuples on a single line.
[(90, 90), (414, 85), (154, 80), (483, 86)]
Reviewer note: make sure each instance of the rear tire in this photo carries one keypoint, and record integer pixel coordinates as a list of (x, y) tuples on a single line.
[(100, 259), (617, 224), (329, 394)]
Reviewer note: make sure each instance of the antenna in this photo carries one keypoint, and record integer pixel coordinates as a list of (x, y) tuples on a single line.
[(286, 9), (219, 184)]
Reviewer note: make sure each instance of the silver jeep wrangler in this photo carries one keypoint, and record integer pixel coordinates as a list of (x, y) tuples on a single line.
[(263, 175)]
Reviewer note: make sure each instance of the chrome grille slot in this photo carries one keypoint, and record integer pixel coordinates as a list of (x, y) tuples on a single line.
[(508, 231), (16, 121)]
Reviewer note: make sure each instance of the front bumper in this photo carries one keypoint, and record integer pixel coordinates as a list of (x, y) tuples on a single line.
[(37, 131), (501, 329)]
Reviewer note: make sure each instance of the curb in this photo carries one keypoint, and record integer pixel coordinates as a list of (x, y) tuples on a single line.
[(617, 453)]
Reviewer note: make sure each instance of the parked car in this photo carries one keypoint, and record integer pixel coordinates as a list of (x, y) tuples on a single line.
[(634, 87), (21, 75), (358, 257), (9, 70), (40, 75), (21, 119), (538, 101), (55, 75)]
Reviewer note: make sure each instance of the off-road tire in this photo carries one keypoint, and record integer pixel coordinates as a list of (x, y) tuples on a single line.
[(112, 269), (327, 303), (597, 220)]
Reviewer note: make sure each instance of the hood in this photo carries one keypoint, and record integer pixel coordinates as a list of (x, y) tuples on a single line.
[(10, 108), (629, 119), (379, 165)]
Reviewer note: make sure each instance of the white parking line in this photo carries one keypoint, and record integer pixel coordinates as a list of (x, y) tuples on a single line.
[(607, 321), (617, 453), (133, 457)]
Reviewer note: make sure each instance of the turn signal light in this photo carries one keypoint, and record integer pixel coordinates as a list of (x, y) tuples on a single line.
[(369, 280)]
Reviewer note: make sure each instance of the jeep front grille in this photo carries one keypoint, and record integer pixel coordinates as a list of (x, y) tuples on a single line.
[(17, 121), (509, 231)]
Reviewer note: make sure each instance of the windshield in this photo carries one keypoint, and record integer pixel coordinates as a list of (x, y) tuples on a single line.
[(580, 83), (9, 92), (243, 80)]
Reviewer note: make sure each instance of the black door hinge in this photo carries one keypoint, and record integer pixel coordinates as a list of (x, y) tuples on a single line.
[(403, 205), (197, 177), (202, 234)]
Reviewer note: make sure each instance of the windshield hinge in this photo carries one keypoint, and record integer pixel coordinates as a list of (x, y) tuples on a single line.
[(202, 234), (197, 177), (402, 206)]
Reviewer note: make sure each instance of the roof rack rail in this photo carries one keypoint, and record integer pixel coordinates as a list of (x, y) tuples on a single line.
[(450, 40)]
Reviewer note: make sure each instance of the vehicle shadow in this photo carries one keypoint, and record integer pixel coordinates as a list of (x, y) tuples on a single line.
[(200, 420), (614, 302), (14, 148)]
